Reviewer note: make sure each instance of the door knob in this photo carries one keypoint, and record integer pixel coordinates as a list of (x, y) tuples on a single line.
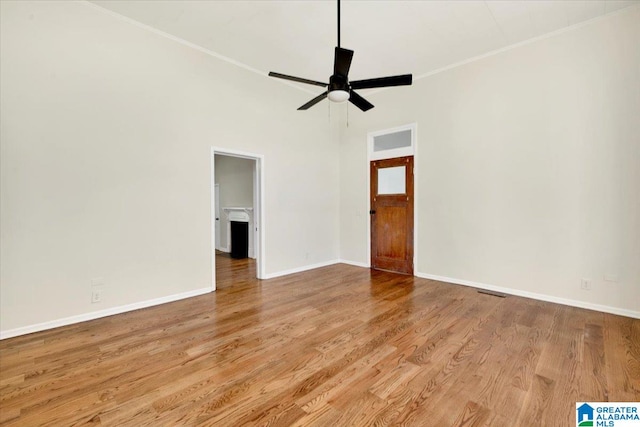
[(372, 211)]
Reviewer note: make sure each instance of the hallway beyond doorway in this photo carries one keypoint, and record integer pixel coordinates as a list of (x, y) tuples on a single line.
[(231, 272)]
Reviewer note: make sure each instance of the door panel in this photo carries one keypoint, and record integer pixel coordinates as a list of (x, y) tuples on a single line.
[(392, 214), (217, 227), (391, 240)]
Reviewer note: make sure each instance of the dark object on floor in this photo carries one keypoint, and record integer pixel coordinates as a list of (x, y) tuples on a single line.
[(239, 239), (492, 293)]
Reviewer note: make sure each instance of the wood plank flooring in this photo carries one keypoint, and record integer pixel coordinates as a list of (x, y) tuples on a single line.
[(337, 346)]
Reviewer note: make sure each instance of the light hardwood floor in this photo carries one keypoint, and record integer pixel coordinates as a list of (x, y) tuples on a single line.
[(336, 346)]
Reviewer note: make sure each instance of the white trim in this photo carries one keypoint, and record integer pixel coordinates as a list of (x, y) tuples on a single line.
[(512, 46), (416, 194), (524, 42), (10, 333), (413, 127), (193, 46), (212, 214), (372, 92), (258, 209), (301, 269), (218, 215), (392, 153), (261, 248), (533, 295), (368, 193), (355, 263)]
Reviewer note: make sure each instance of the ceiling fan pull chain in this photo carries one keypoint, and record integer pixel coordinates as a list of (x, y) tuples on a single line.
[(339, 88)]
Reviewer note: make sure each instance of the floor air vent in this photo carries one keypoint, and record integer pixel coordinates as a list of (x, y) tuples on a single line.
[(493, 294)]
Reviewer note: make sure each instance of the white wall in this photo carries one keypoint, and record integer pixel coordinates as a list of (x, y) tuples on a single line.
[(235, 178), (528, 167), (106, 135)]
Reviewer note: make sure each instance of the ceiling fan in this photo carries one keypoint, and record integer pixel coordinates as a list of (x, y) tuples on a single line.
[(339, 88)]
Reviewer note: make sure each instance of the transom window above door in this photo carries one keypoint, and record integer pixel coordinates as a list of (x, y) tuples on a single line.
[(391, 143)]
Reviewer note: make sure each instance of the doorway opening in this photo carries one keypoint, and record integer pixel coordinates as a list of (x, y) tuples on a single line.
[(237, 186), (391, 214), (391, 186)]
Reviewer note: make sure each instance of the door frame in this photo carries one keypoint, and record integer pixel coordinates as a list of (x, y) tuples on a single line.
[(258, 208), (389, 154), (216, 213)]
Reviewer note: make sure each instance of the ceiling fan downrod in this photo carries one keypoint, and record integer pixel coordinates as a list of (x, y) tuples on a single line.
[(340, 88), (338, 23)]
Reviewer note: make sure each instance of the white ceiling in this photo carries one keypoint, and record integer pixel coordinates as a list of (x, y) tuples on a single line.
[(297, 37)]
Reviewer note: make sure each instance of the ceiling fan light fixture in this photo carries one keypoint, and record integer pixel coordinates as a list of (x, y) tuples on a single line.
[(338, 95), (339, 88)]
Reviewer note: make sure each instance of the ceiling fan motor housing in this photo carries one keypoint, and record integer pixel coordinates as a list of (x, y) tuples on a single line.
[(338, 82), (339, 89)]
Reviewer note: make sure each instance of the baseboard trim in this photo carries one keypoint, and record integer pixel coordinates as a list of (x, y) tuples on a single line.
[(355, 263), (301, 269), (536, 296), (10, 333)]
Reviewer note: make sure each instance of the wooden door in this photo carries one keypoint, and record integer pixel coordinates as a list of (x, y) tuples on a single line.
[(392, 214)]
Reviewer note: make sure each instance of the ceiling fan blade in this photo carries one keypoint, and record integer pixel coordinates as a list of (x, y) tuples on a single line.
[(359, 101), (342, 61), (314, 101), (297, 79), (402, 80)]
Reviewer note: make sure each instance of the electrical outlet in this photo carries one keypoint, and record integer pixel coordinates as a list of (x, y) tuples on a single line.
[(585, 284), (96, 296)]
